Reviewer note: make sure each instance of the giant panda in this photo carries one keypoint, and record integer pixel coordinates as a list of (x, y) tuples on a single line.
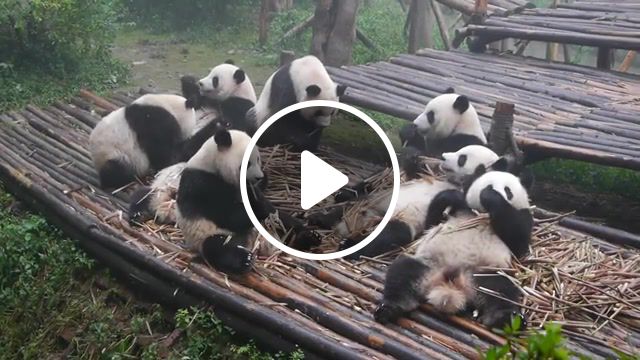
[(414, 209), (456, 258), (142, 137), (303, 79), (224, 97), (210, 211), (448, 123)]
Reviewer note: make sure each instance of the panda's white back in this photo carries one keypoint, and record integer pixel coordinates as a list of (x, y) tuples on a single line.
[(113, 139), (456, 243)]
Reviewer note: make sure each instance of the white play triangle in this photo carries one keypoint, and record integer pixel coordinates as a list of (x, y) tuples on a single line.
[(318, 180)]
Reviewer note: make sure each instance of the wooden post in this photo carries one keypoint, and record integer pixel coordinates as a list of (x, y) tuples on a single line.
[(628, 60), (444, 34), (565, 53), (420, 26), (605, 58), (501, 138), (286, 56), (552, 48)]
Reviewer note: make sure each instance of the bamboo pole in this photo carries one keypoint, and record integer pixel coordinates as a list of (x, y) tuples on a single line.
[(446, 41)]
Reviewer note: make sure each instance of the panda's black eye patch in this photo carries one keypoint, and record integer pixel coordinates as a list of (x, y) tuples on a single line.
[(431, 117), (507, 191), (313, 90), (462, 159), (215, 81)]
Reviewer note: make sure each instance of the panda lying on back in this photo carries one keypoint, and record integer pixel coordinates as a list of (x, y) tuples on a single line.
[(142, 137), (303, 79), (448, 123), (414, 210), (448, 266)]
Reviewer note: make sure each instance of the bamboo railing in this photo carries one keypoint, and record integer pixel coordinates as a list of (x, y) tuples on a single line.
[(322, 307), (562, 110)]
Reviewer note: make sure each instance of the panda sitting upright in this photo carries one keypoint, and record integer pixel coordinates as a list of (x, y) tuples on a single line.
[(210, 211), (223, 98), (303, 79), (448, 123), (455, 259)]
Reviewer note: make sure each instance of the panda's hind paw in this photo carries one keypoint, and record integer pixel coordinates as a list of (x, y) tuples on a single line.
[(386, 313)]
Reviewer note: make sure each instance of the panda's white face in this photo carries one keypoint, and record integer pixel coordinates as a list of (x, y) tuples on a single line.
[(226, 80), (506, 184), (466, 161), (447, 114), (222, 154), (312, 82)]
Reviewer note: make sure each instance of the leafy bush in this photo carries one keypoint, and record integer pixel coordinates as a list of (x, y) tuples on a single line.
[(167, 15), (51, 48)]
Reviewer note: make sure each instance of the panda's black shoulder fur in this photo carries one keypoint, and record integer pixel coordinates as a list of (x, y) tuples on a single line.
[(234, 111), (157, 132), (282, 90), (115, 173), (207, 195), (292, 129)]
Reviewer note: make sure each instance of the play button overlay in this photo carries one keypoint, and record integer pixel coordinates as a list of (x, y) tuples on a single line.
[(318, 180), (332, 189)]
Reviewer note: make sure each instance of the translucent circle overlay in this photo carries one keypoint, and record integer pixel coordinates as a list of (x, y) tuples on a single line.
[(394, 164)]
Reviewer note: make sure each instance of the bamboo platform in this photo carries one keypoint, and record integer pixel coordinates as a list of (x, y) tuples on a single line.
[(494, 7), (323, 307), (598, 23), (562, 110)]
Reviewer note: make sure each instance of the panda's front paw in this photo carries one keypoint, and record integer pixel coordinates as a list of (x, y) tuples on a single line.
[(410, 136), (242, 260), (386, 313), (306, 239), (231, 259), (346, 194), (325, 220), (500, 319), (410, 161), (490, 199)]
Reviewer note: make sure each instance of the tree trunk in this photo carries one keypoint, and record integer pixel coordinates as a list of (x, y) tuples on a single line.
[(420, 26), (267, 9), (334, 31)]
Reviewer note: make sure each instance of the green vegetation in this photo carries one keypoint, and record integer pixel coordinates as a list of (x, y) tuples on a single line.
[(50, 49), (54, 301), (590, 177)]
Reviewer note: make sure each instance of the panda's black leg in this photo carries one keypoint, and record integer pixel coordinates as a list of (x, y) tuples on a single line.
[(326, 220), (139, 205), (512, 225), (444, 199), (495, 312), (394, 236), (402, 289), (230, 258), (304, 239), (352, 193), (114, 174)]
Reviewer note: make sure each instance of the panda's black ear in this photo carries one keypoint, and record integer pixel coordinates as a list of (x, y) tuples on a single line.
[(340, 89), (461, 104), (239, 76), (479, 171), (229, 61), (223, 139), (502, 164), (450, 90), (313, 90)]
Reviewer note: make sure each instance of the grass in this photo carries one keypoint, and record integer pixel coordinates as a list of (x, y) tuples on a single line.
[(55, 301)]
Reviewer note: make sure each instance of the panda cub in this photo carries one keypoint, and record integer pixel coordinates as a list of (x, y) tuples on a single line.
[(415, 210), (222, 98), (448, 123), (143, 137), (303, 79), (210, 212), (451, 260)]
